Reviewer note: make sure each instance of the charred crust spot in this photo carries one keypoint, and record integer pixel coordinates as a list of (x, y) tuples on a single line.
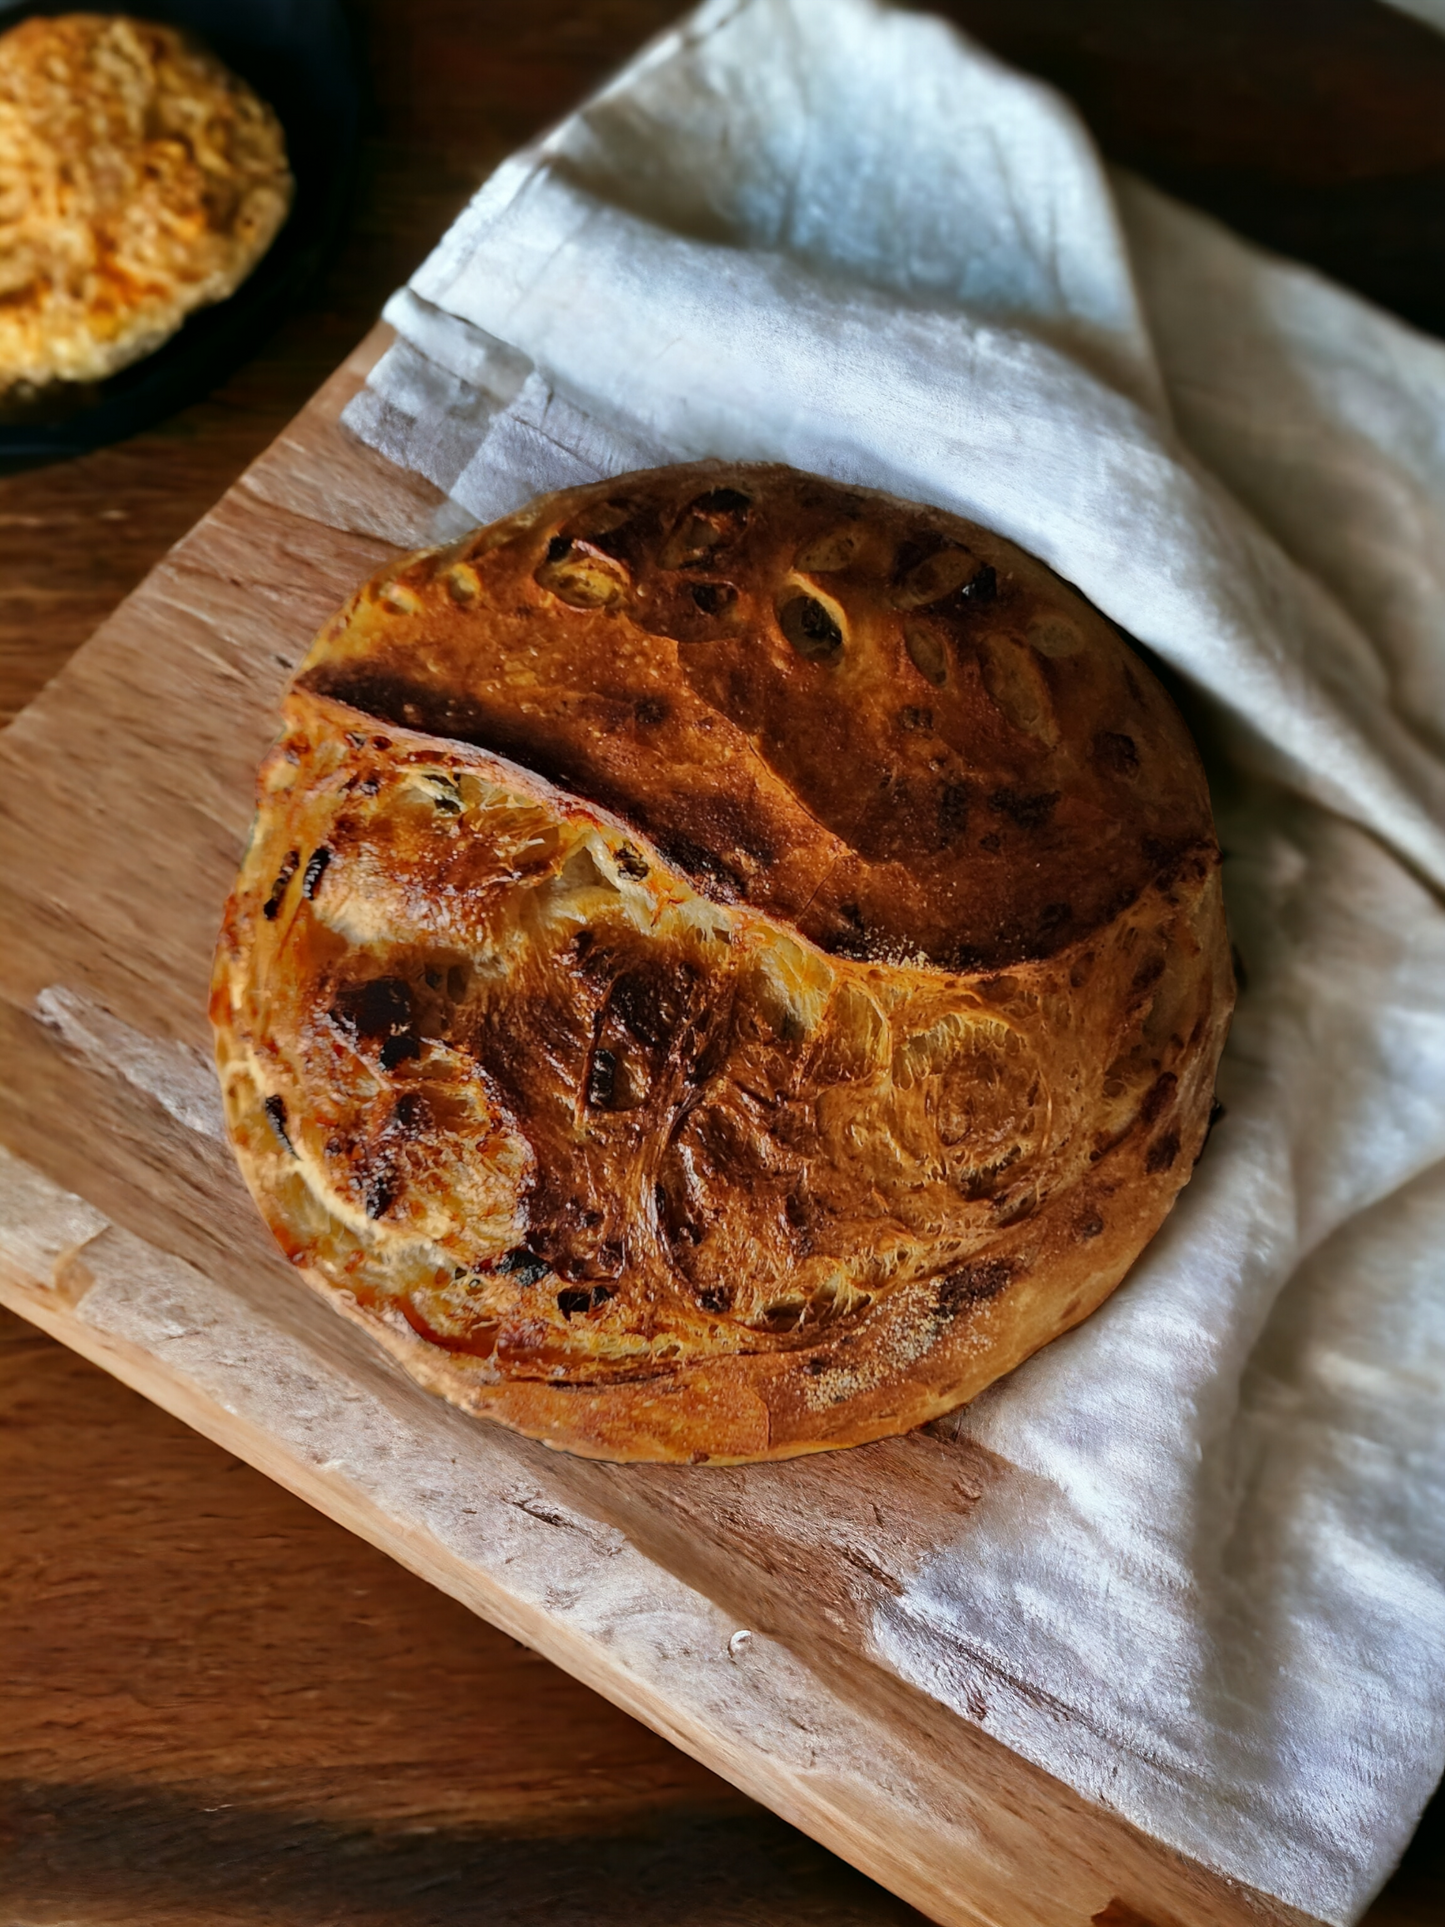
[(967, 957), (716, 1299), (709, 872), (374, 1009), (810, 629), (1162, 1154), (914, 550), (315, 869), (1090, 1227), (579, 1299), (1117, 752), (523, 1265), (411, 1116), (1054, 919), (275, 1108), (712, 1058), (650, 712), (379, 1188), (729, 502), (1158, 1098), (379, 1013), (651, 1002), (713, 598), (953, 802), (631, 862), (971, 1285), (816, 1367), (851, 948), (602, 1080), (289, 865), (1161, 852), (854, 941), (1030, 809)]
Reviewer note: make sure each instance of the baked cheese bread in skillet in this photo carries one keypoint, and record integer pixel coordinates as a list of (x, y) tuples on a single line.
[(139, 180), (726, 966)]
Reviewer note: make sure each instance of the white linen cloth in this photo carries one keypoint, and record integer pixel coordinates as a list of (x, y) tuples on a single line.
[(832, 234)]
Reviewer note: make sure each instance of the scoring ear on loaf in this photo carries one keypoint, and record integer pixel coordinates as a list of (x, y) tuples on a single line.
[(727, 965)]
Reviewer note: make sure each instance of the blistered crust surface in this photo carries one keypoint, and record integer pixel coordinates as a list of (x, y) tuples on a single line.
[(885, 725), (654, 1151), (139, 180)]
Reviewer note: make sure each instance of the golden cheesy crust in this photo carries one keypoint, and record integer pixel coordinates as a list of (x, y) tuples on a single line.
[(139, 180), (725, 967)]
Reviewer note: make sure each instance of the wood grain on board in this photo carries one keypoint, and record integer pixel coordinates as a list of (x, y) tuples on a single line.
[(216, 1702), (125, 794)]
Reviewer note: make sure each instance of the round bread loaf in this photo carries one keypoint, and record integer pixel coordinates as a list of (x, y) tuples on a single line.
[(139, 180), (726, 965)]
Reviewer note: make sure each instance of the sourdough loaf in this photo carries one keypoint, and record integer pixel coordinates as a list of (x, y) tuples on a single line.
[(726, 965)]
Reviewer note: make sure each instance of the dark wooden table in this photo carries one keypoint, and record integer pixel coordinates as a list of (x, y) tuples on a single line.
[(215, 1705)]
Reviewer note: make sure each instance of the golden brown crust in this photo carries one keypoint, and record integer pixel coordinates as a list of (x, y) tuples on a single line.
[(139, 180), (749, 1088), (920, 774)]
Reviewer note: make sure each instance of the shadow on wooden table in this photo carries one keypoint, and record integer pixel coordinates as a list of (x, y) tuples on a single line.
[(93, 1856)]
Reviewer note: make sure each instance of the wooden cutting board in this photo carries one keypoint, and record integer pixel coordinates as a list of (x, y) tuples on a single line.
[(729, 1608)]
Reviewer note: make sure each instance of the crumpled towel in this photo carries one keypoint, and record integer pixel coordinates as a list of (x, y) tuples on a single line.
[(1212, 1596)]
